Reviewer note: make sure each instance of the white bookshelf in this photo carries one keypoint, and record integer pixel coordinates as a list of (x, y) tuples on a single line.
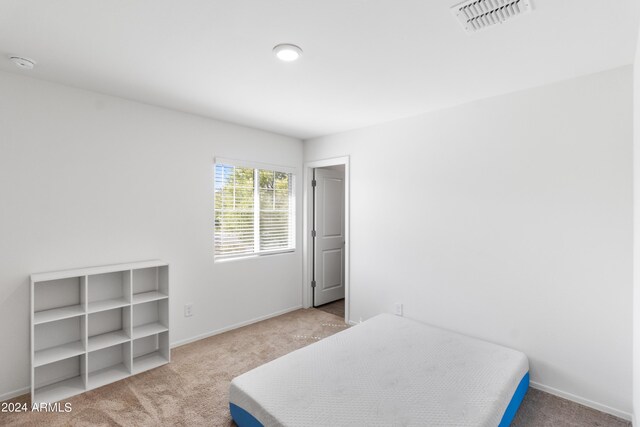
[(93, 326)]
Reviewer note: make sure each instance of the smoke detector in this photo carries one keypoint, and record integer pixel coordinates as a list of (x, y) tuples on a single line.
[(475, 15), (24, 63)]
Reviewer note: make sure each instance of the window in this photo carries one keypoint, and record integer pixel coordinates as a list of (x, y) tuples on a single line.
[(254, 210)]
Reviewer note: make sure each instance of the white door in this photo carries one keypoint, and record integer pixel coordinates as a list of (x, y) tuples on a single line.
[(328, 254)]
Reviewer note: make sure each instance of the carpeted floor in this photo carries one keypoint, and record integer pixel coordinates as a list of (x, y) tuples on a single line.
[(540, 409), (192, 389), (335, 307)]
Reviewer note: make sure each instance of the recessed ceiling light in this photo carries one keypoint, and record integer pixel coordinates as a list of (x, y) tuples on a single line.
[(287, 52), (24, 63)]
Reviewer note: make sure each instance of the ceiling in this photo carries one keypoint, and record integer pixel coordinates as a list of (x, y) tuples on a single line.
[(364, 62)]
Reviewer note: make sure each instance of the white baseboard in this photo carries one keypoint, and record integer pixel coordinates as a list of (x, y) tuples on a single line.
[(15, 393), (582, 401), (234, 326)]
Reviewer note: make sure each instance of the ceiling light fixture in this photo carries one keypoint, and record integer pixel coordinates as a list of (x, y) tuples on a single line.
[(287, 52), (24, 63)]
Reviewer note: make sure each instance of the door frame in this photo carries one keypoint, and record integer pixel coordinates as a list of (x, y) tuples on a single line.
[(307, 226)]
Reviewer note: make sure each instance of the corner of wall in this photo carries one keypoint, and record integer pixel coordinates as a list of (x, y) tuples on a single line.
[(636, 234)]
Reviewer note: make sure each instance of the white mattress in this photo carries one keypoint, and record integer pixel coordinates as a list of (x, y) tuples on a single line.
[(387, 371)]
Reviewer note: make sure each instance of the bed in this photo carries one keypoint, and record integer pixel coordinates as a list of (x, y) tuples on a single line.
[(387, 371)]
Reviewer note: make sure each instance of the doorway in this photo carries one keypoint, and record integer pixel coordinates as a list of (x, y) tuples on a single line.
[(328, 239), (326, 236)]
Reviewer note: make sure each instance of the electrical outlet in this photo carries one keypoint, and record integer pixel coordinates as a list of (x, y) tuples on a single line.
[(398, 309), (188, 310)]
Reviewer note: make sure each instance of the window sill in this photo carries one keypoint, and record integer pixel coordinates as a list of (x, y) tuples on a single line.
[(252, 256)]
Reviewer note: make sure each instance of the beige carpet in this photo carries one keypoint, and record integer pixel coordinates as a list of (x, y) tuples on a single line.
[(192, 389), (540, 409), (336, 307)]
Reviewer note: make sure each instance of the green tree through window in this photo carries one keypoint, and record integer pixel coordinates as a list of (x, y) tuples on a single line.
[(254, 211)]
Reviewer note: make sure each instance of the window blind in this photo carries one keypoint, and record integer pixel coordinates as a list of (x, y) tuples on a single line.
[(254, 211)]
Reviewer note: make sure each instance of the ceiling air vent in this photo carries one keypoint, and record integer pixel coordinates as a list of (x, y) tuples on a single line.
[(475, 15)]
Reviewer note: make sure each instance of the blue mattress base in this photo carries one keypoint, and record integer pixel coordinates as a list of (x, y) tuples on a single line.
[(516, 400), (242, 417), (245, 419)]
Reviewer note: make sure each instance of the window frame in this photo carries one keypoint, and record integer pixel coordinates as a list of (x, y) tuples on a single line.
[(257, 166)]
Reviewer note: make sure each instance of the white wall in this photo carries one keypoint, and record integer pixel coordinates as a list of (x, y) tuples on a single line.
[(636, 236), (87, 179), (508, 219)]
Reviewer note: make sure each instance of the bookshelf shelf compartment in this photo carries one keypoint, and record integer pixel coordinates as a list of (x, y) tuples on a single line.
[(108, 375), (108, 328), (60, 352), (60, 390), (150, 284), (148, 361), (108, 339), (148, 329), (109, 364), (150, 352), (93, 326), (148, 297), (58, 380), (57, 314), (104, 305), (58, 340), (109, 290)]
